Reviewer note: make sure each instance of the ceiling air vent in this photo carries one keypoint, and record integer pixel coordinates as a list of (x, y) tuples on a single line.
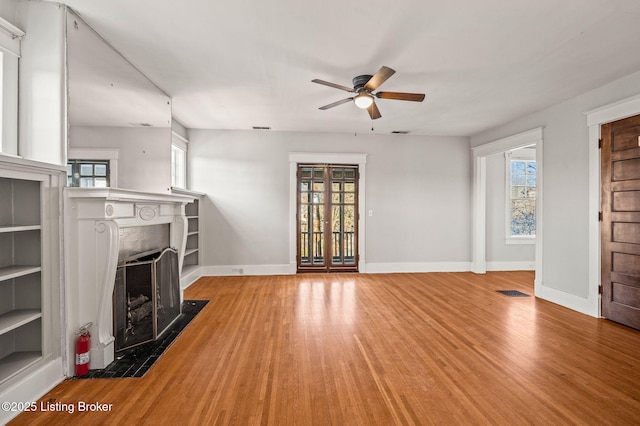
[(400, 132), (141, 124), (261, 128)]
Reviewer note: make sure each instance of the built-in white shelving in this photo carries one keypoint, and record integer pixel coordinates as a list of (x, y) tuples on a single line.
[(192, 252), (16, 318), (18, 361), (191, 261), (16, 271), (29, 268), (18, 228), (20, 277)]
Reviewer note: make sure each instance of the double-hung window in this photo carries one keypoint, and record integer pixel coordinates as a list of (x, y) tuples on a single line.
[(521, 196)]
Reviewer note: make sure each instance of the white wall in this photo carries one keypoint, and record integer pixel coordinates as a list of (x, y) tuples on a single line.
[(42, 128), (566, 177), (144, 161), (9, 11), (500, 255), (418, 188)]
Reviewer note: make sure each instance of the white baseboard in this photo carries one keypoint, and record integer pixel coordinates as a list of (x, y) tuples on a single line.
[(231, 270), (190, 278), (369, 268), (512, 266), (32, 387), (588, 306), (389, 268)]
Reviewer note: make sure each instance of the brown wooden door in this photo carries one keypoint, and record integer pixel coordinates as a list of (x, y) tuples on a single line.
[(327, 218), (620, 159)]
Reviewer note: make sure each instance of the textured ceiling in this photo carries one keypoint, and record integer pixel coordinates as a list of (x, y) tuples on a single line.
[(243, 63)]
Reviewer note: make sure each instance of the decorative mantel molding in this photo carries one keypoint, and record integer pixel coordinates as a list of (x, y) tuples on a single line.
[(110, 229), (93, 219)]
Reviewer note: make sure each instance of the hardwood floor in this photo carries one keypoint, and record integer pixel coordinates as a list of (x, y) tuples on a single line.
[(440, 348)]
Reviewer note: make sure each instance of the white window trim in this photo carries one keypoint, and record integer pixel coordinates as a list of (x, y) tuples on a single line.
[(525, 155), (182, 144), (98, 154), (179, 141)]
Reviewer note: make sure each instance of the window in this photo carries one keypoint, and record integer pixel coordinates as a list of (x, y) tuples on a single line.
[(521, 196), (88, 173), (178, 161), (178, 167)]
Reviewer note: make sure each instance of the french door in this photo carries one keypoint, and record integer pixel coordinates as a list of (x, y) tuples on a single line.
[(327, 218)]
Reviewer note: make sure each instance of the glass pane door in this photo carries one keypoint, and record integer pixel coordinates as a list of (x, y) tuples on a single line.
[(343, 217), (327, 218)]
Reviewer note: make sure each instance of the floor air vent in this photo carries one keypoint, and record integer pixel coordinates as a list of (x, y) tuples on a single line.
[(513, 293)]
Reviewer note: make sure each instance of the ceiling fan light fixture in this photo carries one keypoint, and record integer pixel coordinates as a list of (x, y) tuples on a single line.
[(363, 100)]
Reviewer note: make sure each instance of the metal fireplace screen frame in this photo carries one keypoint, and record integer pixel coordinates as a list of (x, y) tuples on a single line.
[(146, 298)]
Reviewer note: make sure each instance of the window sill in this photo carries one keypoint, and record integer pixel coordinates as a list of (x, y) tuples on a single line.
[(520, 240)]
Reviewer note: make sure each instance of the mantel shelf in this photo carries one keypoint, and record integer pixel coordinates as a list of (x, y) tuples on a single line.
[(125, 195)]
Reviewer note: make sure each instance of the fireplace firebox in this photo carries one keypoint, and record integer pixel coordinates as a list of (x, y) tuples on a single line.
[(146, 297)]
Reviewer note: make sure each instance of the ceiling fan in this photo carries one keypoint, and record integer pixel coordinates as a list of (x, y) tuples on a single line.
[(364, 86)]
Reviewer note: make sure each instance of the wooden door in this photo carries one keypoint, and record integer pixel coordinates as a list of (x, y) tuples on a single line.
[(327, 219), (620, 231)]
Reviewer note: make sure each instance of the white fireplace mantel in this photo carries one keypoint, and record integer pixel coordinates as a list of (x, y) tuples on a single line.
[(93, 220)]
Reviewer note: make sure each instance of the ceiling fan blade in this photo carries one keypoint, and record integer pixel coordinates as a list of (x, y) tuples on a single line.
[(374, 112), (337, 86), (399, 96), (378, 78), (340, 102)]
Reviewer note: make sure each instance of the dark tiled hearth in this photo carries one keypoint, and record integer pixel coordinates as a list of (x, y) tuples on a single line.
[(137, 361)]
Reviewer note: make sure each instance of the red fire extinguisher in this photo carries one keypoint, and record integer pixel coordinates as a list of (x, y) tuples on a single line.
[(82, 351)]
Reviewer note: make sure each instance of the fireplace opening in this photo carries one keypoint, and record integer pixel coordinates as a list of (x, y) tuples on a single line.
[(146, 297)]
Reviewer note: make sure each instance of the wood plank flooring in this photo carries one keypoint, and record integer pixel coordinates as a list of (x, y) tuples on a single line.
[(350, 349)]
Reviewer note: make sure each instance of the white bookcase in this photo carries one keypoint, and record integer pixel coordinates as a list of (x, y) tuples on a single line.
[(30, 322), (192, 253)]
